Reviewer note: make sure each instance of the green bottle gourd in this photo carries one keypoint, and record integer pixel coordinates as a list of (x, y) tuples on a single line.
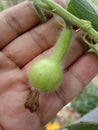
[(46, 74)]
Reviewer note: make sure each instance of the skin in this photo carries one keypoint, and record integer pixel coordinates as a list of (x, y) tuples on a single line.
[(22, 41)]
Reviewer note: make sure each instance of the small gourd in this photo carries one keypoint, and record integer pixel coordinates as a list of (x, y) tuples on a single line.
[(46, 74)]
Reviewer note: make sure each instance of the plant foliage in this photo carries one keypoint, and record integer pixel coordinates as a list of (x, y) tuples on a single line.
[(87, 100)]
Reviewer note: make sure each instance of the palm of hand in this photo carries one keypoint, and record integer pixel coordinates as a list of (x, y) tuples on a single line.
[(13, 91), (15, 60)]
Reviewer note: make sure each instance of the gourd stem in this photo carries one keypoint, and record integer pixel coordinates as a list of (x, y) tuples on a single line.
[(62, 44), (83, 24), (39, 12)]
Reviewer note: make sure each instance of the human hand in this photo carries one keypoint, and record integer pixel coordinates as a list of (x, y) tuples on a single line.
[(22, 41)]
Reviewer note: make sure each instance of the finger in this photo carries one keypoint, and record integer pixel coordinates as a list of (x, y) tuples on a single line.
[(33, 43), (61, 2), (5, 63), (15, 21), (75, 78)]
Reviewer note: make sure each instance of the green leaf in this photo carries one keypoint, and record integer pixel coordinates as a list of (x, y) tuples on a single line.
[(88, 98), (95, 1), (67, 1), (84, 9), (84, 126)]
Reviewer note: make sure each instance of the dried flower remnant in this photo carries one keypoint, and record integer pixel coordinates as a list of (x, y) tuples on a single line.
[(32, 102)]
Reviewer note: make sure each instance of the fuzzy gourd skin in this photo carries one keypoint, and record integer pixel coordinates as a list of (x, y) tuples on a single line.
[(45, 75)]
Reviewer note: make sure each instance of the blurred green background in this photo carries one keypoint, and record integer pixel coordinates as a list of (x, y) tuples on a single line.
[(8, 3)]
